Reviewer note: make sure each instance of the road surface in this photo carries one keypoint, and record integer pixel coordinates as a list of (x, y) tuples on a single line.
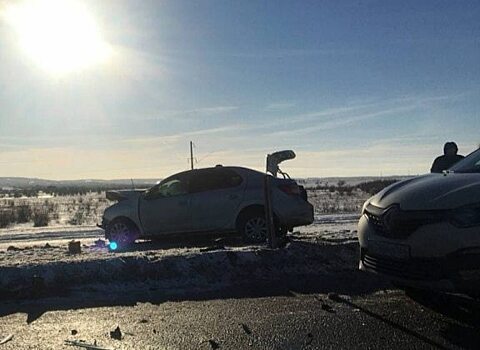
[(380, 320)]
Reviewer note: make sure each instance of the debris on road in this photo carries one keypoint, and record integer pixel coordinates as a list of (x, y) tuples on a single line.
[(309, 338), (334, 297), (74, 332), (213, 344), (12, 248), (100, 243), (85, 345), (327, 308), (246, 329), (47, 246), (116, 334), (74, 247), (6, 339)]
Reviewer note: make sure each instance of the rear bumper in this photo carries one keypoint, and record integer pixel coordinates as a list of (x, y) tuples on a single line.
[(301, 217)]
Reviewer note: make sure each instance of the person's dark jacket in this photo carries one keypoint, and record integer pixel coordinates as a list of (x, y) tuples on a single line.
[(445, 162)]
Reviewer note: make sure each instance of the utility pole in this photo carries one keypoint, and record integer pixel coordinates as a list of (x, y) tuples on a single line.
[(191, 155)]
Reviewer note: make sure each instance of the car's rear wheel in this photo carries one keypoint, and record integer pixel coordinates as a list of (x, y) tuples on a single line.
[(254, 228), (252, 225), (122, 232)]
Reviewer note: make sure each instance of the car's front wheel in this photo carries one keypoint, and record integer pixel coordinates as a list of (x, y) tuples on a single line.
[(122, 232)]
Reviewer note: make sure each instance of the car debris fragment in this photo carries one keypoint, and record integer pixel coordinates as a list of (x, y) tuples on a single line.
[(213, 344), (327, 308), (246, 329), (334, 297), (116, 334), (12, 248), (6, 339), (85, 345), (74, 247)]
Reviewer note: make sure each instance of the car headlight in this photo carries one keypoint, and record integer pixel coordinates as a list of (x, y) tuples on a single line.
[(466, 216), (365, 205)]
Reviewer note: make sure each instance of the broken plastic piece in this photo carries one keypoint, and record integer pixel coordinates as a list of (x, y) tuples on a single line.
[(6, 339), (84, 345)]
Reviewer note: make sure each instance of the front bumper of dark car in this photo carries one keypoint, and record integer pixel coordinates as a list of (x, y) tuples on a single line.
[(459, 271)]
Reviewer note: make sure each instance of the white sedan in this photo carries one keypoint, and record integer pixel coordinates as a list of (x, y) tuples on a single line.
[(210, 200)]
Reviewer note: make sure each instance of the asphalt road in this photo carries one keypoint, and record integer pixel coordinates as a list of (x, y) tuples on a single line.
[(384, 319)]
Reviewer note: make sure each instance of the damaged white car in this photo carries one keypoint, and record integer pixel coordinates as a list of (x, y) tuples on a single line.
[(219, 199), (424, 232)]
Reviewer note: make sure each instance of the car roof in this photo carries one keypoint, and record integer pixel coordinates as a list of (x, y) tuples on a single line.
[(235, 168)]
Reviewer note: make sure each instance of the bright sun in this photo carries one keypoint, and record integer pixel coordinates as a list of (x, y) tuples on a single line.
[(59, 35)]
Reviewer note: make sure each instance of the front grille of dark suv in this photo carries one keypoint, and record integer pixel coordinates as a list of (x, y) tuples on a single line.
[(377, 224), (401, 223), (400, 232)]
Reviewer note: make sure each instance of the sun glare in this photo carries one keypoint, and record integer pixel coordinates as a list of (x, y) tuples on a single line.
[(59, 35)]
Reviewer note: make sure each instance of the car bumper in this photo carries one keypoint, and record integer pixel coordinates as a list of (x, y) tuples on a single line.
[(301, 217), (413, 264)]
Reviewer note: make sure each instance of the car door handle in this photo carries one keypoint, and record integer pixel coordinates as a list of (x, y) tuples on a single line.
[(233, 196)]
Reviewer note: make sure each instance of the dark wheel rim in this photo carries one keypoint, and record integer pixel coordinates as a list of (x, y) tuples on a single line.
[(256, 229), (120, 233)]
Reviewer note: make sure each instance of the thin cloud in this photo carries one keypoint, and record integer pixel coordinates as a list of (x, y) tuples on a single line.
[(165, 139), (279, 106), (193, 112), (336, 117)]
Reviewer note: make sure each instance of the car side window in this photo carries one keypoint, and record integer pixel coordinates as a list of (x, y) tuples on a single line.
[(213, 179), (170, 188)]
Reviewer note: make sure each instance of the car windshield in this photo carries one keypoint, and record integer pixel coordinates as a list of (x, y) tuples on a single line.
[(471, 164)]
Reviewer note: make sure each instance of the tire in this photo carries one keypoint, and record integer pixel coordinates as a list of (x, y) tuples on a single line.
[(122, 231), (252, 226)]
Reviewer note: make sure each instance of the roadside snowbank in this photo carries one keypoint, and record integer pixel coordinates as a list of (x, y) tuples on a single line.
[(33, 266)]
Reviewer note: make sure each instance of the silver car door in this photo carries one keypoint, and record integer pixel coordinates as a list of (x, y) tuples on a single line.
[(215, 196), (166, 207)]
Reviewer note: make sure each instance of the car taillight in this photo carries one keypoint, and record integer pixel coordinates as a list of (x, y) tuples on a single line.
[(291, 189)]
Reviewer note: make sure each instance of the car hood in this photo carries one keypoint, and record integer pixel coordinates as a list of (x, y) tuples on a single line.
[(431, 192), (120, 195)]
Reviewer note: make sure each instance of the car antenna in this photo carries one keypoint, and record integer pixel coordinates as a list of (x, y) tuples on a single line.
[(133, 186)]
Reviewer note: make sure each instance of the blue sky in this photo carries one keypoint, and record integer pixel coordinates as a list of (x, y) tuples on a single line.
[(354, 87)]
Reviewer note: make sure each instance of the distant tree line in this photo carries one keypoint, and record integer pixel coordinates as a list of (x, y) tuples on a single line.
[(370, 187), (34, 191)]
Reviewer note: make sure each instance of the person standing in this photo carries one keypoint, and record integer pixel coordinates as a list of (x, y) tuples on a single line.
[(449, 158)]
